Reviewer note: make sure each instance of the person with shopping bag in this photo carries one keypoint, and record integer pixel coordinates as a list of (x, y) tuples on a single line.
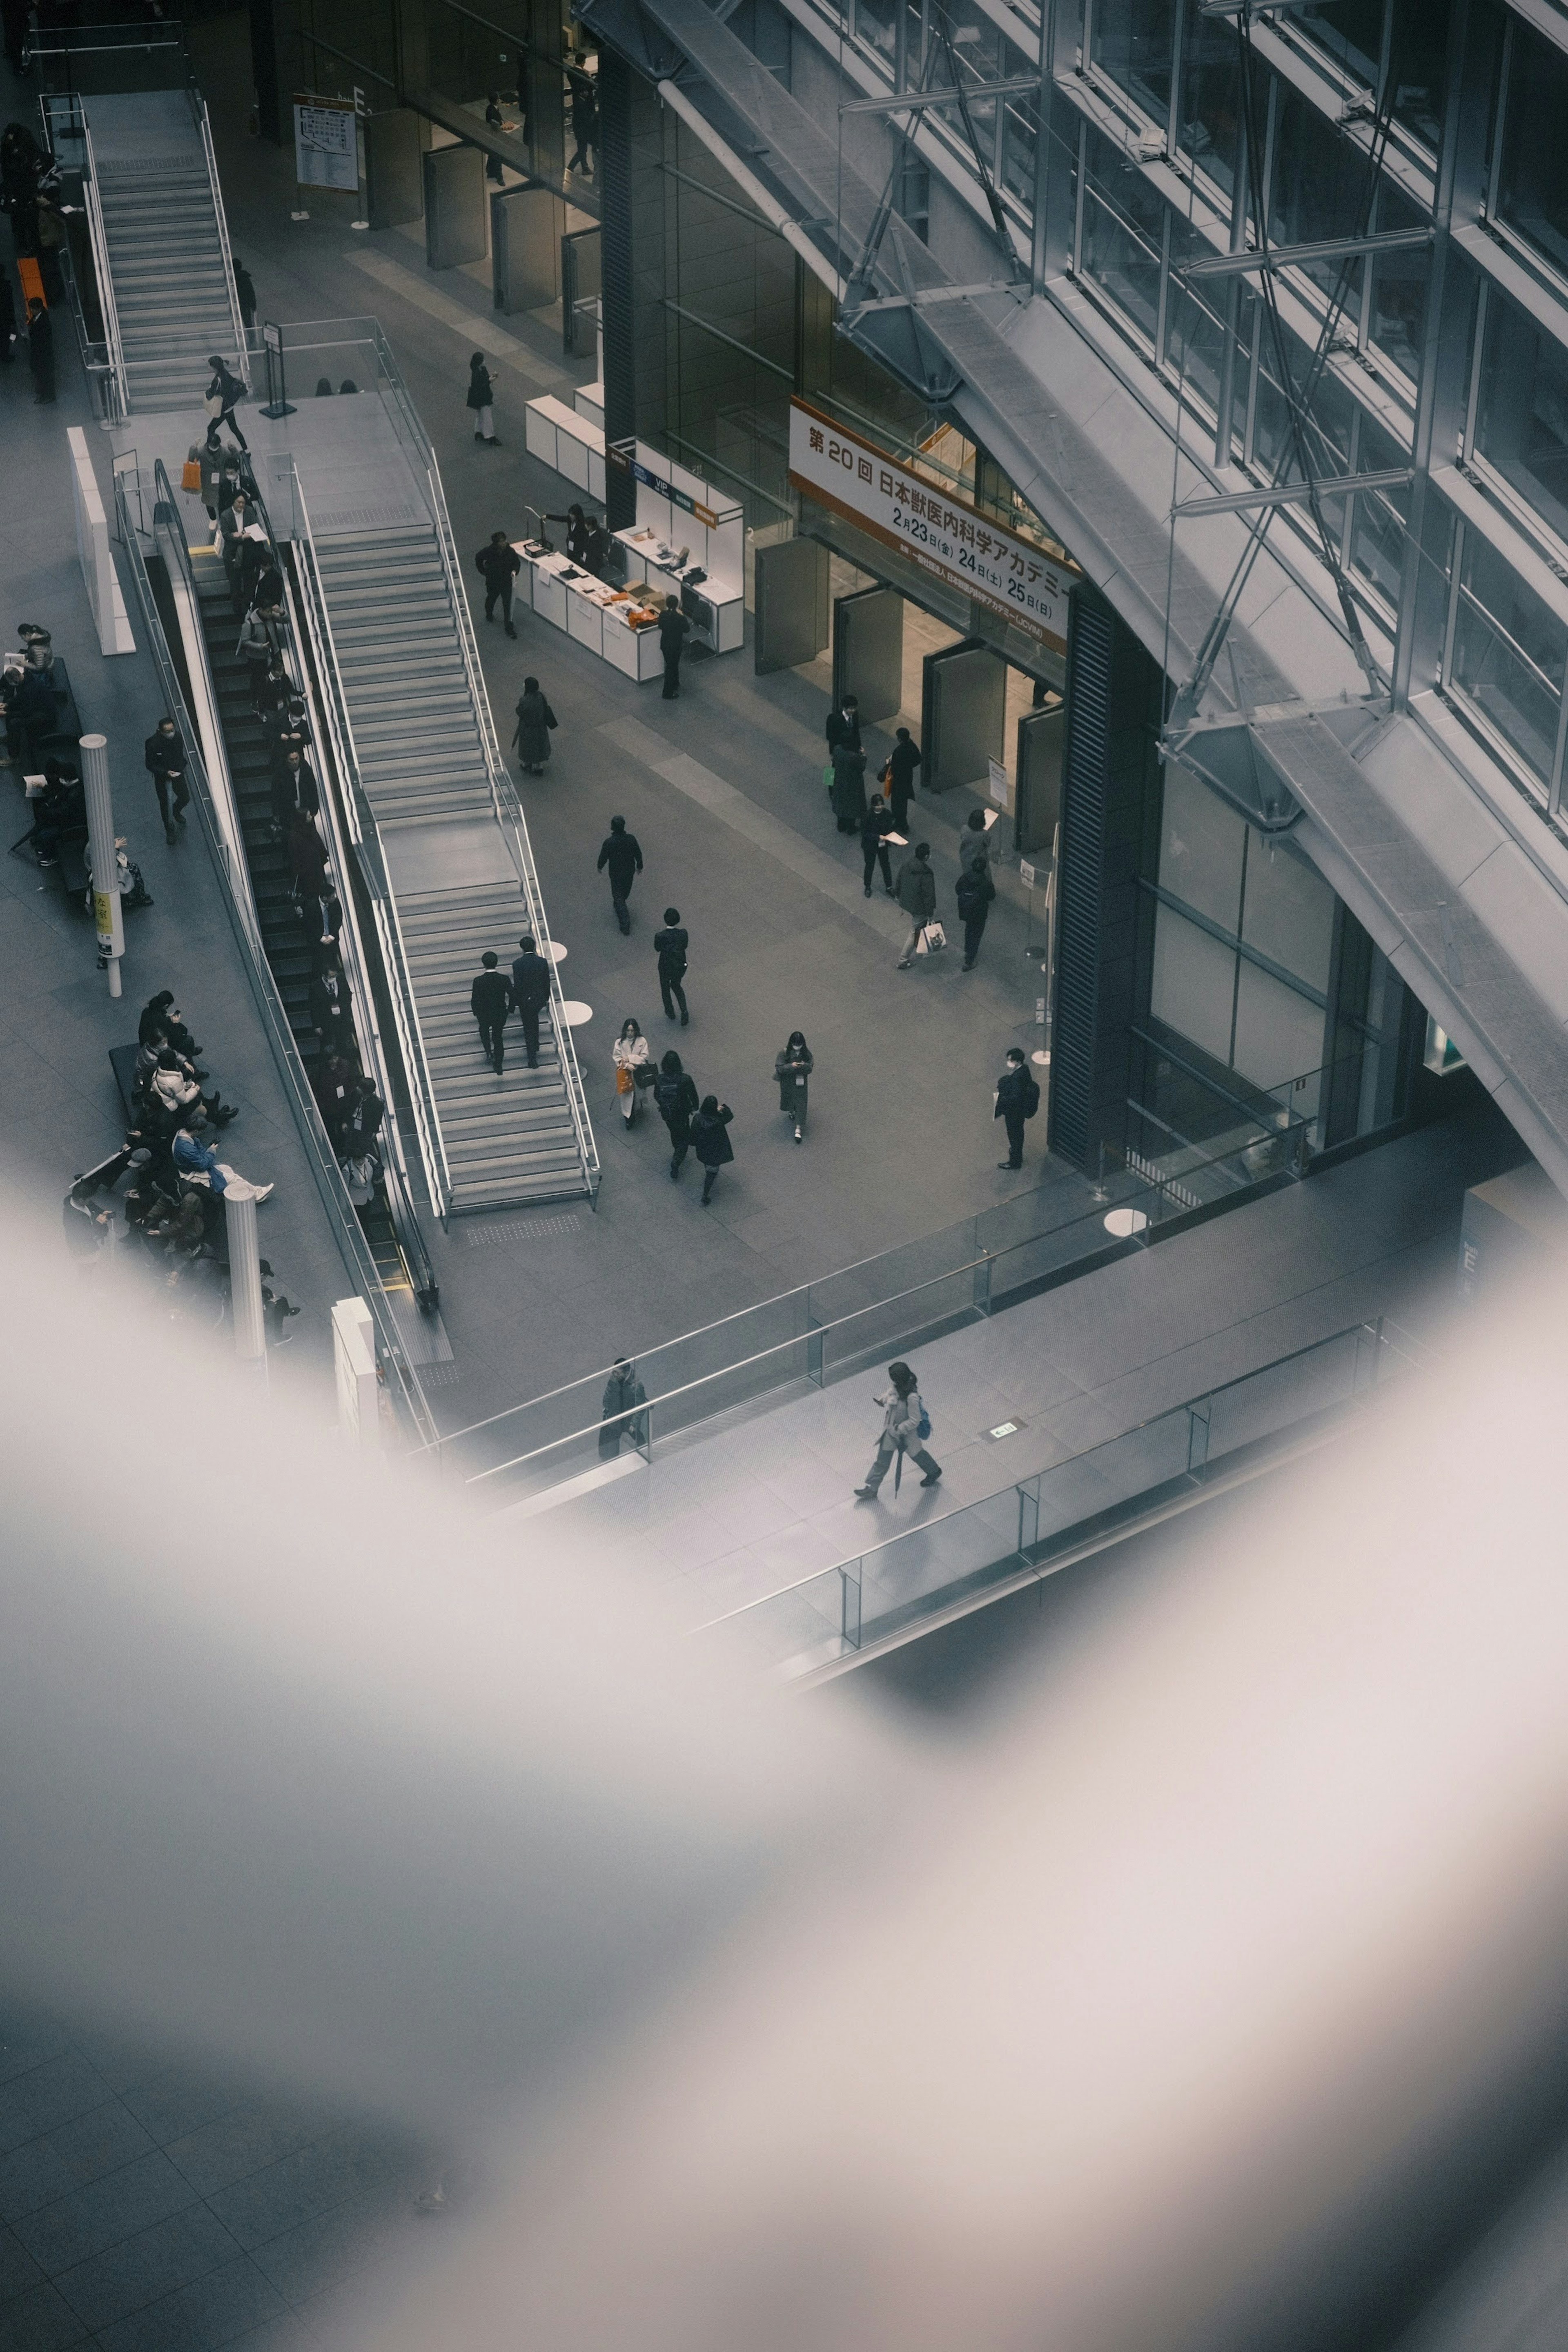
[(905, 1426), (916, 893), (634, 1068)]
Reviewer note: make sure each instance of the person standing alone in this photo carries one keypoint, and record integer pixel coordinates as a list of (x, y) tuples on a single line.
[(1017, 1098), (490, 1000), (622, 854), (532, 733), (710, 1142), (902, 762), (917, 896), (974, 891), (498, 565), (673, 627), (670, 946), (163, 756), (482, 399), (905, 1426), (531, 994)]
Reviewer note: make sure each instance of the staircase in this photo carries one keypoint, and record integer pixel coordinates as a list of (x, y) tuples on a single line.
[(421, 758)]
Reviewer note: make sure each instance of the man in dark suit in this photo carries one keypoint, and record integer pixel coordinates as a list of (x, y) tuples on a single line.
[(844, 726), (1017, 1098), (623, 857), (670, 946), (530, 992), (490, 1000), (673, 627)]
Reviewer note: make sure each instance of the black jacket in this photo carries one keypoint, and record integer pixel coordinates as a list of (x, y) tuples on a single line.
[(673, 629), (675, 1098), (164, 755), (1017, 1095), (361, 1129), (974, 891), (490, 998), (623, 854), (498, 565), (481, 393), (841, 729), (328, 1000), (530, 983), (903, 761), (226, 386), (875, 825), (670, 947), (709, 1141)]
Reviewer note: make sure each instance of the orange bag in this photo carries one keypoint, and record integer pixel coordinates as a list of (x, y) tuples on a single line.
[(191, 474)]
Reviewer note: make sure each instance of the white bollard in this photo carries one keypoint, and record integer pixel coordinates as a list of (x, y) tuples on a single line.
[(245, 1275), (108, 917)]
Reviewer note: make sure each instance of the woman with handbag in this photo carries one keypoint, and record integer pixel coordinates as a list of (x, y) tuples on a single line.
[(630, 1058), (905, 1426), (792, 1068), (223, 396), (481, 400)]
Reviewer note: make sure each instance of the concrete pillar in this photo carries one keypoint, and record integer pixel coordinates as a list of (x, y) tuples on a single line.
[(245, 1275), (109, 919)]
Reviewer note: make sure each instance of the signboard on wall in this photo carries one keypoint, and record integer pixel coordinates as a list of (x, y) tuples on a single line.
[(932, 526), (327, 143)]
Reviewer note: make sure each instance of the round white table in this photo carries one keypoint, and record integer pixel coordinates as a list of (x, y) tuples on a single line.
[(1125, 1222), (554, 950), (576, 1011)]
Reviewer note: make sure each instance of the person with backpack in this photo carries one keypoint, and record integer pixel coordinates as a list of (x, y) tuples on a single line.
[(223, 395), (675, 1099), (905, 1426), (974, 891), (498, 565), (1017, 1098)]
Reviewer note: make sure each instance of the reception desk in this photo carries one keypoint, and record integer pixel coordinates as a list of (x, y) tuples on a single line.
[(592, 612), (715, 608)]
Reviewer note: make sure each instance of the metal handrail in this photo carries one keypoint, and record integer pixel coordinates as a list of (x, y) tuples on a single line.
[(341, 1215), (509, 817), (199, 109), (394, 953), (104, 277), (1021, 1486)]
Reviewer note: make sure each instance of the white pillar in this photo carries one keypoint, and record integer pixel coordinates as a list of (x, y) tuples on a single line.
[(359, 1392), (108, 917), (245, 1275)]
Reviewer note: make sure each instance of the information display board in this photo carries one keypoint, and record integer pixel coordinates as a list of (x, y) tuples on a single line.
[(326, 144)]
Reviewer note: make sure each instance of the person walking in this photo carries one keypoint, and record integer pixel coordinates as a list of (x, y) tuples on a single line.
[(916, 894), (498, 565), (902, 762), (974, 844), (674, 628), (482, 401), (710, 1142), (1017, 1100), (974, 891), (630, 1053), (497, 120), (905, 1426), (245, 292), (670, 946), (293, 787), (623, 858), (792, 1067), (530, 992), (530, 737), (675, 1099), (163, 756), (40, 351), (849, 786), (876, 826), (223, 395), (623, 1392), (490, 1000), (584, 124), (331, 1015)]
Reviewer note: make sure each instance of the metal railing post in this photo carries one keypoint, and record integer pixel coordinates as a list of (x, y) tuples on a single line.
[(849, 1604), (1198, 1413)]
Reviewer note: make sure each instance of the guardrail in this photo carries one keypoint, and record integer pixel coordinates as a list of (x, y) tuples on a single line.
[(121, 387), (1032, 1527), (412, 1413), (199, 109), (372, 862)]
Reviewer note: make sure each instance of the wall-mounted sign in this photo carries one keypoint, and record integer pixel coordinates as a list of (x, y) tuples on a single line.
[(327, 143), (939, 531), (621, 454)]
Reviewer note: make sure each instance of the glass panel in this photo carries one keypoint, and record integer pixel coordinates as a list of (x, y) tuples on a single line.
[(1352, 33), (1210, 126), (977, 43), (1131, 43), (1121, 254), (1533, 196), (1193, 977), (1288, 915), (1377, 545), (1417, 58), (1195, 338), (1523, 425), (1318, 184), (1279, 1034), (1509, 653), (1202, 843), (1329, 418), (1399, 286), (1019, 147), (876, 25)]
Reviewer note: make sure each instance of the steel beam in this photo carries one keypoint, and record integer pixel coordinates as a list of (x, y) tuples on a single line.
[(1332, 486), (1022, 85), (1288, 257)]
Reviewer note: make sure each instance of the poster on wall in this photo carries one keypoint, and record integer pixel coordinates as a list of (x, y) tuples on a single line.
[(933, 526), (327, 143)]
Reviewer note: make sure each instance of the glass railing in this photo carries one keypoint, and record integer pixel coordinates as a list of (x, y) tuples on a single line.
[(1028, 1530), (416, 1427), (826, 1329)]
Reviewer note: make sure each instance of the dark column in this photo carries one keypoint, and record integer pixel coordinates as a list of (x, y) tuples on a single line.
[(631, 258), (269, 31), (1110, 831)]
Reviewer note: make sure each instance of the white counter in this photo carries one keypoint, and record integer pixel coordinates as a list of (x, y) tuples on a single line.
[(590, 611), (725, 599), (573, 444)]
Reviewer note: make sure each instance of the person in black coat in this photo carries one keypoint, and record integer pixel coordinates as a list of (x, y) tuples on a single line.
[(481, 400), (974, 891), (584, 122), (1017, 1098), (490, 1000), (228, 391), (163, 756), (498, 565), (622, 854), (329, 1006), (710, 1142), (362, 1122), (244, 291), (162, 1016), (673, 627), (41, 351), (531, 994), (670, 946), (876, 826), (675, 1099), (903, 761), (844, 726), (496, 122)]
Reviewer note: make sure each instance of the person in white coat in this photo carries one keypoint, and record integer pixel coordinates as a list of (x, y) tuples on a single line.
[(629, 1053), (901, 1432)]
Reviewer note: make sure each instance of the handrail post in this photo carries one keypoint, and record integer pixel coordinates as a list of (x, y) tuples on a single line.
[(849, 1604), (980, 1287), (1198, 1413)]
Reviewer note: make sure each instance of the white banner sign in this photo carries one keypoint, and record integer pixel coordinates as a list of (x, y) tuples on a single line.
[(326, 146), (934, 528)]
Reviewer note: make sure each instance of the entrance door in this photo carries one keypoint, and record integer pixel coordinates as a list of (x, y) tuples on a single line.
[(1038, 803), (790, 592), (868, 652), (525, 226), (964, 706)]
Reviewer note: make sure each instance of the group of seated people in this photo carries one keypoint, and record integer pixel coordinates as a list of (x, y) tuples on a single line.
[(172, 1205)]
